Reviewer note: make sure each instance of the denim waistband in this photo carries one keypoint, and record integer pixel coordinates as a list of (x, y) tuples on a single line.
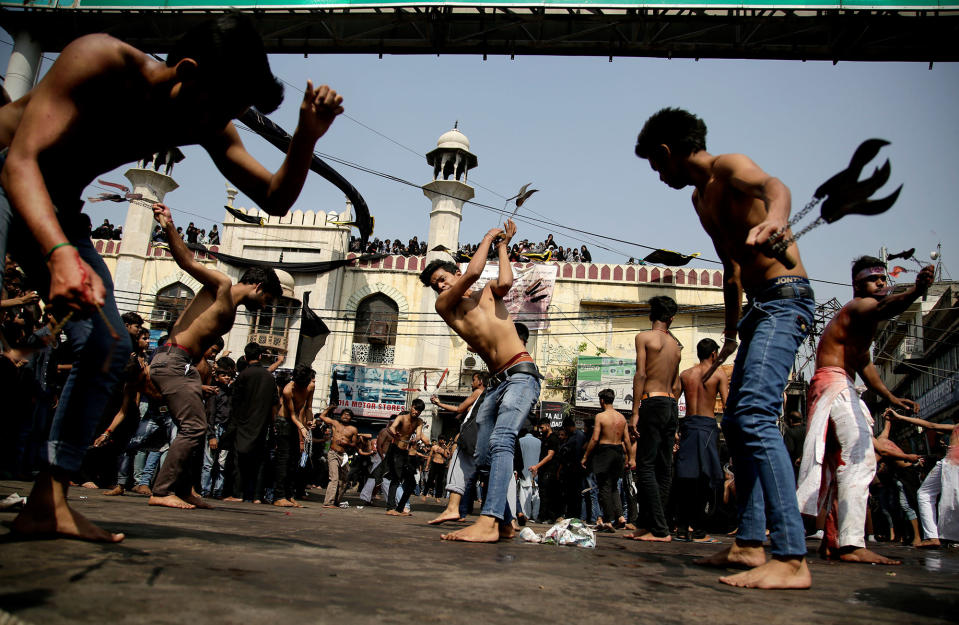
[(783, 287)]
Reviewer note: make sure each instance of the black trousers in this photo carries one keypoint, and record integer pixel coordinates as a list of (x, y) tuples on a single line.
[(658, 420), (399, 471), (572, 486), (284, 461), (693, 495), (550, 498), (249, 478), (436, 480), (608, 463)]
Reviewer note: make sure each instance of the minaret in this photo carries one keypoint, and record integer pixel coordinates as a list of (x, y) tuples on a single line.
[(451, 161), (138, 228)]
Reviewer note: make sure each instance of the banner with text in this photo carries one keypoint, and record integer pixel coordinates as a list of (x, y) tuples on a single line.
[(530, 295), (376, 392), (594, 373)]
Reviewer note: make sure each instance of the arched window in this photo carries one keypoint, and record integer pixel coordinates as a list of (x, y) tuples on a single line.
[(170, 302), (374, 334)]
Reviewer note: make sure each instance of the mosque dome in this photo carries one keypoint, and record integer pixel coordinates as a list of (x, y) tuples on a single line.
[(452, 140), (286, 283)]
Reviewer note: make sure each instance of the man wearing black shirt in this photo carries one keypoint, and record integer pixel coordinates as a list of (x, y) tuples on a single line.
[(255, 401), (545, 472), (571, 473)]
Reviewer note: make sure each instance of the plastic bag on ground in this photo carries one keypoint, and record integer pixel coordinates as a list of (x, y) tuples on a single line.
[(570, 532)]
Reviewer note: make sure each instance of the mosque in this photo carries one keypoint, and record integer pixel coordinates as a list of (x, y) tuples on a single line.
[(385, 340)]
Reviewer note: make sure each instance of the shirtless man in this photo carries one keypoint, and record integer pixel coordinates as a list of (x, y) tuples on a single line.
[(202, 323), (345, 437), (741, 207), (655, 417), (839, 461), (405, 430), (698, 470), (461, 467), (609, 434), (296, 407), (215, 72), (436, 471), (480, 318)]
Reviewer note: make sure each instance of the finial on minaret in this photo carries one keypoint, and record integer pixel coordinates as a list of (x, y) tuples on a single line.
[(456, 124)]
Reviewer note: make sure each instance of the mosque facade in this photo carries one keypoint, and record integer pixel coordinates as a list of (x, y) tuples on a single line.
[(383, 327)]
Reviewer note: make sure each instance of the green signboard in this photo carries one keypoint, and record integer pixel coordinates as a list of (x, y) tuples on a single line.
[(175, 5)]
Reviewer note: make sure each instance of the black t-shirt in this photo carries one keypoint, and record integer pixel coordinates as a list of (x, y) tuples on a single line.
[(552, 443)]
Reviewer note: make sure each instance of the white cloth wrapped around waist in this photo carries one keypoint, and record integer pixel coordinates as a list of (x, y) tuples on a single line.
[(828, 385)]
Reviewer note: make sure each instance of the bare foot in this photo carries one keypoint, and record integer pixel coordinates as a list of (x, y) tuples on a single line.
[(630, 526), (506, 531), (929, 543), (865, 556), (116, 491), (257, 501), (170, 501), (649, 537), (297, 504), (636, 533), (232, 499), (736, 555), (398, 513), (446, 515), (483, 531), (788, 574), (197, 501), (326, 505), (47, 515), (89, 485), (285, 503), (141, 489)]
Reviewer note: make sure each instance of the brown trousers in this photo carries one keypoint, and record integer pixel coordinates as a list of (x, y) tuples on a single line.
[(338, 476), (179, 381)]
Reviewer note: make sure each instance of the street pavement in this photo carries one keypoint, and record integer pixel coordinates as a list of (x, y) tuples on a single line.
[(250, 564)]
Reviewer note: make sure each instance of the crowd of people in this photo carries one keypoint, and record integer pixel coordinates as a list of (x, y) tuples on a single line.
[(192, 235), (413, 247), (183, 421), (525, 250), (106, 230)]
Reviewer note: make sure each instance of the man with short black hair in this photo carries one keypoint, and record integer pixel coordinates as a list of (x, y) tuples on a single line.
[(655, 417), (344, 438), (609, 441), (215, 71), (405, 430), (744, 210), (289, 428), (255, 402), (481, 319), (698, 471), (206, 318), (839, 459)]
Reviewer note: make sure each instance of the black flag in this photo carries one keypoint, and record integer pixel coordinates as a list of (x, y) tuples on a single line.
[(334, 390), (313, 333)]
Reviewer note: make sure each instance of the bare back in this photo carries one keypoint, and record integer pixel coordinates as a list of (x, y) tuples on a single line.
[(481, 319), (612, 427), (728, 214), (659, 355), (701, 398)]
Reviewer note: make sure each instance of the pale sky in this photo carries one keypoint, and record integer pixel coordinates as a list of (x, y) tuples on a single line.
[(569, 124)]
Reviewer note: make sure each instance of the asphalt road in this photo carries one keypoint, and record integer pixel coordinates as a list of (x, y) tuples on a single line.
[(249, 564)]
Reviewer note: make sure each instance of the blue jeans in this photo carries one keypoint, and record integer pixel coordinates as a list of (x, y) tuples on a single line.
[(208, 484), (97, 359), (498, 420), (770, 333)]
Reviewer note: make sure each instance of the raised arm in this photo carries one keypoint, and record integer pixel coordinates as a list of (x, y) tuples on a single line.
[(939, 427), (504, 280), (447, 301), (893, 305), (276, 193), (184, 256)]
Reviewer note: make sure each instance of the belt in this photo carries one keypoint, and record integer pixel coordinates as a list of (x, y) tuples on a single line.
[(785, 291), (169, 347), (526, 367)]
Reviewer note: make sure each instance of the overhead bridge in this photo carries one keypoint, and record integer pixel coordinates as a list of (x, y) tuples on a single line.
[(834, 31)]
